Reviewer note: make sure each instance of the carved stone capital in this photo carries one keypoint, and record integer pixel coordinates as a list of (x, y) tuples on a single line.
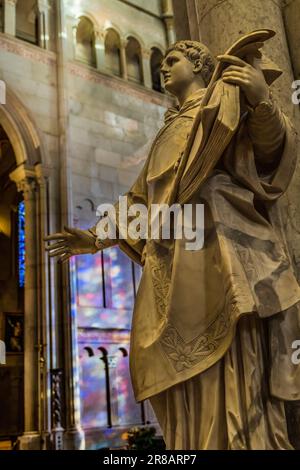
[(43, 6), (27, 187), (11, 2), (25, 180), (123, 43), (167, 8), (42, 173), (99, 35), (146, 53)]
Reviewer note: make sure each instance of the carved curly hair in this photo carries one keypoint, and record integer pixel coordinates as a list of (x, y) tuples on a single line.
[(196, 51)]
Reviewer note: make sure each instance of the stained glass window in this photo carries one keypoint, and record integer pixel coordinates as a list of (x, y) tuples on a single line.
[(106, 286), (119, 288), (21, 243), (89, 281), (106, 279), (92, 391)]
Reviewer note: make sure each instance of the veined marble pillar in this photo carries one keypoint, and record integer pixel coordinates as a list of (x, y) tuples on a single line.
[(123, 59), (31, 439), (146, 67), (74, 435), (168, 16), (45, 325), (44, 34), (10, 16), (100, 50)]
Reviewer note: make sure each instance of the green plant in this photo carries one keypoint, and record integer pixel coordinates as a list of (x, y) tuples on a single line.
[(143, 438)]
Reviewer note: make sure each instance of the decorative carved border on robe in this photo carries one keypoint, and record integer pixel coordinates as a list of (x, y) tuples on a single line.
[(186, 355)]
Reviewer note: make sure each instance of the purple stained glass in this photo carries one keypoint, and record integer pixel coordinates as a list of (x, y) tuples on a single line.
[(89, 281), (124, 409), (21, 243), (129, 411), (119, 290), (92, 391)]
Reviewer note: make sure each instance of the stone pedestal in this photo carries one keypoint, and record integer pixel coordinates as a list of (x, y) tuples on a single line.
[(30, 441)]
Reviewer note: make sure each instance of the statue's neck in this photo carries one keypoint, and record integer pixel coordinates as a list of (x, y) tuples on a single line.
[(188, 91)]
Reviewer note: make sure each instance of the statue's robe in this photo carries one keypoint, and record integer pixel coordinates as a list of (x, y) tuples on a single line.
[(212, 330)]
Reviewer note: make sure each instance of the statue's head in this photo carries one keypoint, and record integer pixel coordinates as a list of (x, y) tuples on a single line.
[(185, 62)]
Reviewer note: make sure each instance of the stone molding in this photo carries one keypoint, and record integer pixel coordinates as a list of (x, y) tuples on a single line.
[(138, 91), (24, 179), (28, 51)]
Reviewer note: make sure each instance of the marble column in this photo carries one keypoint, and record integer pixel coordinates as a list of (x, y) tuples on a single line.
[(2, 92), (10, 16), (146, 68), (100, 50), (43, 20), (69, 360), (45, 324), (31, 439), (168, 16), (123, 59)]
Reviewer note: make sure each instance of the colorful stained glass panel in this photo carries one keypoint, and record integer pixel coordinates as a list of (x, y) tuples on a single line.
[(21, 243), (119, 290), (89, 281)]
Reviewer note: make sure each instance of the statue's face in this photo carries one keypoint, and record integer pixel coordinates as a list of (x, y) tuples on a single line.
[(178, 72)]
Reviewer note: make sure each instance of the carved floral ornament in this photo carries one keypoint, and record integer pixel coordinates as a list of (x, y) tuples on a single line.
[(27, 179)]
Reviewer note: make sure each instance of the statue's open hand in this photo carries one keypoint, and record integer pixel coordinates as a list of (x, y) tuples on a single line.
[(250, 79), (70, 242)]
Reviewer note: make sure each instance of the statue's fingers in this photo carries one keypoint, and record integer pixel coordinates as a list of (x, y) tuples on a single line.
[(64, 258), (54, 246), (242, 82), (231, 59), (59, 252), (233, 68), (238, 74), (55, 236)]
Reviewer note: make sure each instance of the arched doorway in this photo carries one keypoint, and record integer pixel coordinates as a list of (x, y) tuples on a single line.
[(23, 311), (11, 295)]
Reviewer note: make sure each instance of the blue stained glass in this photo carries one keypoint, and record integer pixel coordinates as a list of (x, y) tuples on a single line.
[(21, 243)]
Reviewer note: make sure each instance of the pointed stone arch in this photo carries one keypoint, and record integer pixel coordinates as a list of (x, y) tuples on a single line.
[(21, 130), (31, 181)]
